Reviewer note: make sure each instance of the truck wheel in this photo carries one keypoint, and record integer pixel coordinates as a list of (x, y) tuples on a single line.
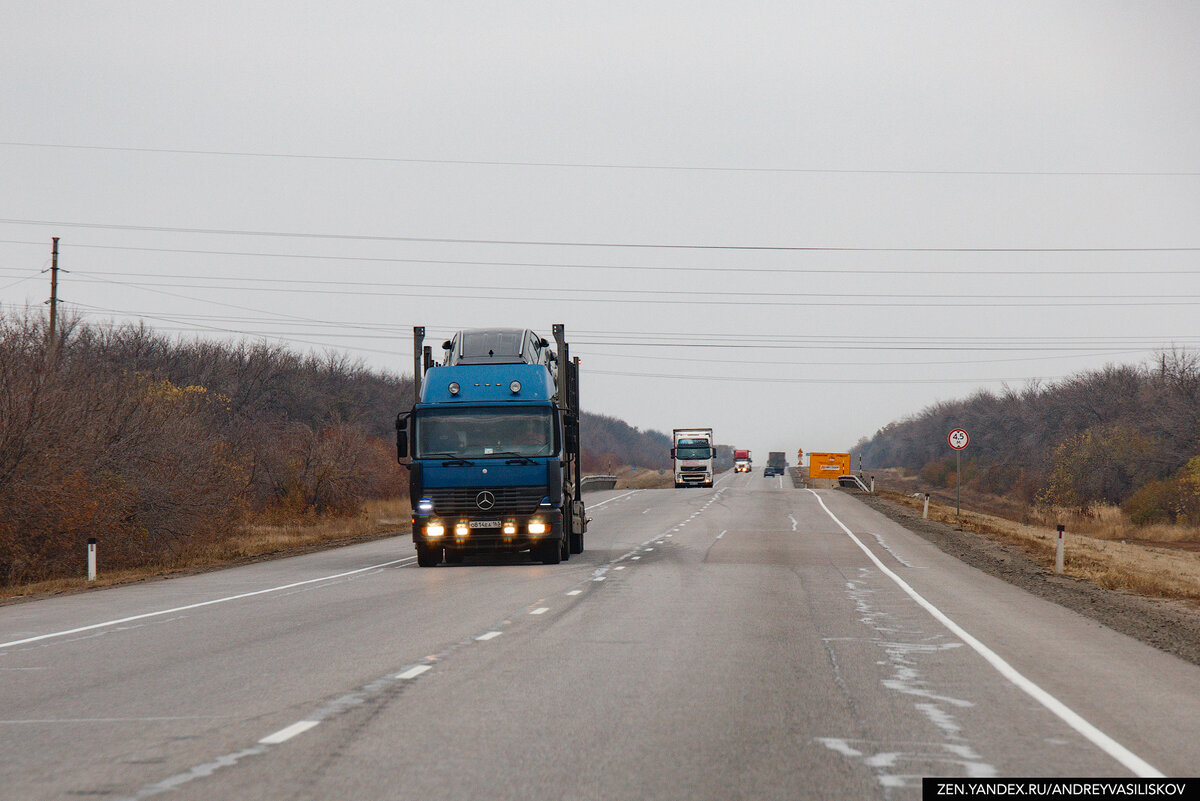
[(428, 556), (550, 552)]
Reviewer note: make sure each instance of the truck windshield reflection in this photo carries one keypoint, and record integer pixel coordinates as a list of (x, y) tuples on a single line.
[(483, 433)]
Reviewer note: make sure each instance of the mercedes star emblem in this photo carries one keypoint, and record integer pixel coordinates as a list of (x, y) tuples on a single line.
[(485, 500)]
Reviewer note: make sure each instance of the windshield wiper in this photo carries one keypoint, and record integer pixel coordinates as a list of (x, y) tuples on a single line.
[(518, 458), (453, 460)]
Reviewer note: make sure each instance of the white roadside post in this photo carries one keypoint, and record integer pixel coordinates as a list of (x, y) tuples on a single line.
[(91, 558), (1058, 552), (925, 514)]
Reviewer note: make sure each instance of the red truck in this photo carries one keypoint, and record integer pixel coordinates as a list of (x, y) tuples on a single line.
[(741, 461)]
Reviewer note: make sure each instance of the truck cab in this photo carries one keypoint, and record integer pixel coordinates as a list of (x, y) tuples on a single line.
[(693, 456)]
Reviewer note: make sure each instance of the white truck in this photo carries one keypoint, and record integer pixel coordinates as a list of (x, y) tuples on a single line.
[(693, 457)]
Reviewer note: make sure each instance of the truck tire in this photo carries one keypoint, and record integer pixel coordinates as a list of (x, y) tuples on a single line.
[(550, 552), (428, 556)]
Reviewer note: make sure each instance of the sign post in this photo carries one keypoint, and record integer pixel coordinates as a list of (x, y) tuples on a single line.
[(958, 439)]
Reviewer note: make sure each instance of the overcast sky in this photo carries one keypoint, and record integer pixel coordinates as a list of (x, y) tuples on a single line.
[(794, 222)]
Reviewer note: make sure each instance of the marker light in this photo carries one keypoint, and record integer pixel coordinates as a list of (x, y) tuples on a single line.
[(453, 388), (434, 530), (537, 527), (425, 505), (545, 501), (515, 387)]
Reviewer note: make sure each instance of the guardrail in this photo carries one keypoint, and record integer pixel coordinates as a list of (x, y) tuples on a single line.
[(595, 483)]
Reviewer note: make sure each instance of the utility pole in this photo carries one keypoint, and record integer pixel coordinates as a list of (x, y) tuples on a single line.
[(53, 344)]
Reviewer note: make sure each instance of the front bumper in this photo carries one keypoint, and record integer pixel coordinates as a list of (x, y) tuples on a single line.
[(508, 533)]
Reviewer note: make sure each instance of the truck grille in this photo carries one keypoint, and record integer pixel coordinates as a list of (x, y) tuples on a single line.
[(508, 500), (688, 469)]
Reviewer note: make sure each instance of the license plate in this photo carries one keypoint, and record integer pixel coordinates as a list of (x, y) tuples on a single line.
[(484, 524)]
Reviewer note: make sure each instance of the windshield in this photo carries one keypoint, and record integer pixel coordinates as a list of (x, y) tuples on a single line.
[(484, 433), (693, 449)]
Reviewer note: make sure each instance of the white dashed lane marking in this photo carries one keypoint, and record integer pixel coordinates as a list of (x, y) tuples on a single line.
[(491, 635), (413, 672), (283, 735)]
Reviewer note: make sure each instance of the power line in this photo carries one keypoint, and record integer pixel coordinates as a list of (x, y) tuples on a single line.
[(826, 380), (1139, 271), (586, 244), (598, 165), (825, 300)]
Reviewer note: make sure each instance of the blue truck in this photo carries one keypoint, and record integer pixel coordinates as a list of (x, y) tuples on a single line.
[(492, 446)]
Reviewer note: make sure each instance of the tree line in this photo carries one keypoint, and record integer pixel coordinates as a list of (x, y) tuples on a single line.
[(1124, 434), (157, 445)]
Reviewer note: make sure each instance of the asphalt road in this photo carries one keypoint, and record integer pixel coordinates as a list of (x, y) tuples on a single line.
[(738, 642)]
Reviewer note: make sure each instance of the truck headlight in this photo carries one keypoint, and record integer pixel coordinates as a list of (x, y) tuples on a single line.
[(434, 529), (537, 527)]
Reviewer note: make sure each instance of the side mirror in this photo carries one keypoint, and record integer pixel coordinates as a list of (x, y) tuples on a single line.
[(672, 453), (542, 343), (401, 436)]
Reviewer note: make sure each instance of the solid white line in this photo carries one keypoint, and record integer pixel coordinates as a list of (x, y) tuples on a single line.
[(202, 603), (491, 635), (413, 672), (541, 610), (1098, 738), (283, 735), (610, 500)]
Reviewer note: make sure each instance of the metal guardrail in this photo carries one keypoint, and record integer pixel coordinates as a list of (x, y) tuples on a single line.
[(853, 482), (595, 483)]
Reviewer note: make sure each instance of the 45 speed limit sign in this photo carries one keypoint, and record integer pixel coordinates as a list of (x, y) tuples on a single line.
[(958, 439)]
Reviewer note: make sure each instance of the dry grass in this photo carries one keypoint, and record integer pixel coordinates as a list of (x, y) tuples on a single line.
[(1102, 557), (378, 518), (641, 478)]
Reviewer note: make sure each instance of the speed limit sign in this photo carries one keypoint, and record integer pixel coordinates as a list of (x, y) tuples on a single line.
[(958, 439)]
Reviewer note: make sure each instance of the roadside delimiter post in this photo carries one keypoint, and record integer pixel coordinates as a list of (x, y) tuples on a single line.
[(1058, 552)]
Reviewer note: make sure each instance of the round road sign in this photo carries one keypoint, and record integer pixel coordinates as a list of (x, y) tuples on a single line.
[(958, 439)]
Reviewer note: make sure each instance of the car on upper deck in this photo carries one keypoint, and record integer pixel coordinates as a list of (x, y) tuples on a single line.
[(497, 346)]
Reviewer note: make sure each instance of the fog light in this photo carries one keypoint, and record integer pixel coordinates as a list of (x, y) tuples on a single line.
[(537, 527), (434, 530), (461, 530), (510, 529)]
